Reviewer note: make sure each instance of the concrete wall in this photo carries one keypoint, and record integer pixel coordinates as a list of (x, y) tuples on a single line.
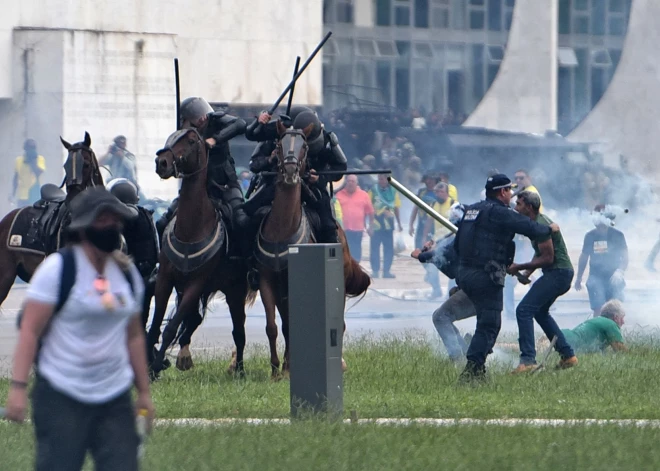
[(626, 117), (523, 96), (67, 67), (230, 50)]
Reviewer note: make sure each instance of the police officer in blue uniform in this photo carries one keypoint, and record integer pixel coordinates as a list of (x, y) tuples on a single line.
[(484, 244)]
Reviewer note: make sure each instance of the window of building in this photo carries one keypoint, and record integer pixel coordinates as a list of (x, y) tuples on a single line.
[(440, 14), (566, 57), (495, 54), (402, 12), (421, 13), (601, 57), (477, 19), (422, 51), (478, 70), (387, 48), (617, 26), (402, 87), (617, 6), (598, 18), (582, 5), (344, 11), (458, 14), (495, 15), (366, 48), (564, 16), (384, 80), (330, 48), (383, 12), (581, 24)]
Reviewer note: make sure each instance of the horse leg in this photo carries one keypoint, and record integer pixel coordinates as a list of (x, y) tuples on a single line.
[(188, 304), (268, 300), (184, 360), (283, 307), (7, 274), (236, 302), (162, 292)]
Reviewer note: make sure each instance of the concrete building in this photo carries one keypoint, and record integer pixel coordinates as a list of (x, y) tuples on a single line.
[(546, 73), (107, 68)]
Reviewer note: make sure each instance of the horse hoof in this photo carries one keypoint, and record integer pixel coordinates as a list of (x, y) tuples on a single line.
[(275, 376), (344, 366)]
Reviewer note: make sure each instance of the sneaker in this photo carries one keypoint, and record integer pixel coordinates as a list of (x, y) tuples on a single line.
[(472, 374), (388, 275), (435, 295), (566, 363), (525, 368)]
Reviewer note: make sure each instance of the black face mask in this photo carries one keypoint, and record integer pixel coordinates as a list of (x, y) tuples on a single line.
[(106, 240)]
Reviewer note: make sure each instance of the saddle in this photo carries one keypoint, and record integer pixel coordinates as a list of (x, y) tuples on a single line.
[(52, 193)]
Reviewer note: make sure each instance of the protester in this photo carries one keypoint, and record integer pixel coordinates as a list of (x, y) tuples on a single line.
[(28, 169), (595, 335), (356, 207), (386, 204), (606, 251), (120, 161), (81, 324), (425, 231), (551, 255)]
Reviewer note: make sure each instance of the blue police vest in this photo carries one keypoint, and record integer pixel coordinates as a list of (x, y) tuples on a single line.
[(479, 241)]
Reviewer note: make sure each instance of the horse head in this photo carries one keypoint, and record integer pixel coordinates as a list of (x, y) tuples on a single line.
[(184, 155), (81, 167), (291, 153)]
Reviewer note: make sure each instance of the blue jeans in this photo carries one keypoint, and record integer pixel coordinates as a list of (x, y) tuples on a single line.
[(386, 239), (354, 241), (536, 305), (601, 290)]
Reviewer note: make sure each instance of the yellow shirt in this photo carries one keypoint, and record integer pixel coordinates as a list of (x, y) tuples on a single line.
[(443, 210), (452, 192), (26, 177), (383, 200), (339, 214)]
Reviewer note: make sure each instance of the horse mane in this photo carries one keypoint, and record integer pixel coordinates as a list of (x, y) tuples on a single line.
[(97, 178)]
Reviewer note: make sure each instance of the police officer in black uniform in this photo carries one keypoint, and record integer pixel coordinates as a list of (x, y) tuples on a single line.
[(324, 153), (217, 128), (484, 244)]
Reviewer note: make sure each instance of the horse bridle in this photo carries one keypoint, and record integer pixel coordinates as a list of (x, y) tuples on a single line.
[(76, 153), (290, 157), (177, 161)]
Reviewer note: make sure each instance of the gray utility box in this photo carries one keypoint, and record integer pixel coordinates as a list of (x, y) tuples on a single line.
[(316, 327)]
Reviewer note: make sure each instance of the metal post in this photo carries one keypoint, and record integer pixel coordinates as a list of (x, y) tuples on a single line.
[(316, 326)]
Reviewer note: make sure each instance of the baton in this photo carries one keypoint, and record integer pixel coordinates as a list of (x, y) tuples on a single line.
[(295, 78), (178, 93), (295, 72)]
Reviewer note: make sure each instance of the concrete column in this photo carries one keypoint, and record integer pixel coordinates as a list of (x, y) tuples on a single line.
[(363, 13), (626, 117), (523, 96)]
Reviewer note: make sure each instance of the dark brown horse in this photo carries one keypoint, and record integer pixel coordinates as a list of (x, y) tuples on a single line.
[(194, 251), (23, 245), (289, 223)]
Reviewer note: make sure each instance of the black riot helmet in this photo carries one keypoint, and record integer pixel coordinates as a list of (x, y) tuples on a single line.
[(315, 139), (124, 190), (194, 108), (296, 110)]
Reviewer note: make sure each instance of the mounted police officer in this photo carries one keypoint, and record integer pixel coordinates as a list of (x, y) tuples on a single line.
[(484, 244), (217, 128), (324, 153)]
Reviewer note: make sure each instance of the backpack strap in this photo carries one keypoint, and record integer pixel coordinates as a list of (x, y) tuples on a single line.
[(129, 278), (67, 278)]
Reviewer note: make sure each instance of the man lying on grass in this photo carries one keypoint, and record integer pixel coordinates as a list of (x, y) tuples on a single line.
[(550, 254), (598, 333)]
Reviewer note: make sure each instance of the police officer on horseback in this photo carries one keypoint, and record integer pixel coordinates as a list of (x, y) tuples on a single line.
[(217, 128), (324, 153), (484, 244)]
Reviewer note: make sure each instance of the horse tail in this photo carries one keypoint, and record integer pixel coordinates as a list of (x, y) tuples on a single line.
[(357, 280), (251, 297)]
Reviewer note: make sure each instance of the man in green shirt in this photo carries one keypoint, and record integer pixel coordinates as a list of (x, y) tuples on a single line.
[(598, 333), (551, 255)]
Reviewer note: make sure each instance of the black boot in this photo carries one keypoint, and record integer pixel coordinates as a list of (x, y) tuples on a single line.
[(473, 373)]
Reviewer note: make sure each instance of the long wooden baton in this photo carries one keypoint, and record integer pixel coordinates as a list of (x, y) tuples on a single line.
[(422, 205), (178, 93), (545, 357), (295, 72)]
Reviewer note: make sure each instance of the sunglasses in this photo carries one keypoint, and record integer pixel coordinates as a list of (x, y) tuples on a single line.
[(102, 287)]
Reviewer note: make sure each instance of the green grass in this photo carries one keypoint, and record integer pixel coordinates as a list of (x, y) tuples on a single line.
[(323, 446), (402, 377), (408, 378)]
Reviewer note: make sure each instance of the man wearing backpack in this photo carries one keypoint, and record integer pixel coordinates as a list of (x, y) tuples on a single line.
[(81, 325)]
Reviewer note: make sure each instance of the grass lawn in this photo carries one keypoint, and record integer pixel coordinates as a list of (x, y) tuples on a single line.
[(403, 377), (322, 446)]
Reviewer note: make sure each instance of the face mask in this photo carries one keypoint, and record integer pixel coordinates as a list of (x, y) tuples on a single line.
[(106, 240)]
